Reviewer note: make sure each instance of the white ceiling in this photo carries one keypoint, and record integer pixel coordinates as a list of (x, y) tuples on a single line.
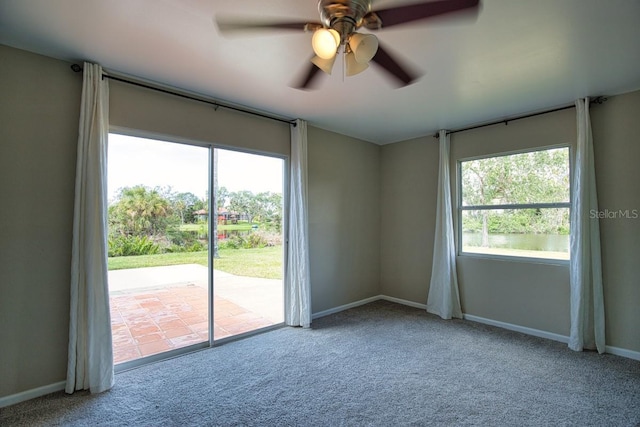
[(519, 56)]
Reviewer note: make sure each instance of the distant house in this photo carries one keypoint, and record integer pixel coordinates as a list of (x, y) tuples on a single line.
[(201, 215), (225, 215)]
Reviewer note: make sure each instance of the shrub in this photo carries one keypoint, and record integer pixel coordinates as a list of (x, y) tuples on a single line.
[(233, 242), (131, 245), (255, 239), (180, 237), (183, 241), (196, 246)]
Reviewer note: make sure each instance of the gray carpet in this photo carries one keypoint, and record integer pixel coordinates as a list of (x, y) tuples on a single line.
[(381, 364)]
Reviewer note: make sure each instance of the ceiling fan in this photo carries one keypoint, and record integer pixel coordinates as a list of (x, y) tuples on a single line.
[(338, 28)]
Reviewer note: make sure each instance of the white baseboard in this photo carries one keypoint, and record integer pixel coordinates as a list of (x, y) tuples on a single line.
[(403, 302), (630, 354), (344, 307), (518, 328), (504, 325), (31, 394), (472, 318), (623, 352), (367, 301)]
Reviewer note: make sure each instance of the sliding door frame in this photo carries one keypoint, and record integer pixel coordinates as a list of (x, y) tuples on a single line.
[(141, 361)]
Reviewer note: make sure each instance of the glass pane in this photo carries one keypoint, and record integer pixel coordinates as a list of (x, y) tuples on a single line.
[(158, 255), (533, 233), (248, 242), (533, 177)]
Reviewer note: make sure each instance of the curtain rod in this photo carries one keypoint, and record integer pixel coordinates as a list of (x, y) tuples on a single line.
[(596, 100), (77, 68)]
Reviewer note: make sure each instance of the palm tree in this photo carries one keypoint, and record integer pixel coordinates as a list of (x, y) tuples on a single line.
[(141, 211)]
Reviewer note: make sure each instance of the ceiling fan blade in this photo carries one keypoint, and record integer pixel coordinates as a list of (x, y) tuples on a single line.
[(414, 12), (310, 75), (393, 67), (232, 27)]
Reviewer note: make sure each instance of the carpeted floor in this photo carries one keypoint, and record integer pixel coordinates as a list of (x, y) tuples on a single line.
[(381, 364)]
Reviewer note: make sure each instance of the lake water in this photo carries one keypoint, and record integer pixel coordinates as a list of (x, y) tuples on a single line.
[(533, 242), (222, 234)]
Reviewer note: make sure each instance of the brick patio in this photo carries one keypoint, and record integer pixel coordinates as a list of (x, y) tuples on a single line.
[(152, 321)]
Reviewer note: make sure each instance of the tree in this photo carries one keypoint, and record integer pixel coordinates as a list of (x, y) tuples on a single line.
[(269, 208), (263, 207), (139, 211), (222, 195), (243, 203), (526, 178), (183, 205)]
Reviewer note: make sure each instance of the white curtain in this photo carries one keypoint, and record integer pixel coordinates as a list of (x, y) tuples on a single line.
[(587, 301), (444, 299), (90, 363), (297, 284)]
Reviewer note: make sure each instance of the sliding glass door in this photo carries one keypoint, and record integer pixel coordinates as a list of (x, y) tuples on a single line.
[(179, 276)]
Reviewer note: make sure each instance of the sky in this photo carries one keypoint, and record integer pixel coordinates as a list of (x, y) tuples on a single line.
[(133, 160)]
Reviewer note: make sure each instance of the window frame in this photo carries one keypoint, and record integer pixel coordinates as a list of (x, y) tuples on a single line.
[(460, 207)]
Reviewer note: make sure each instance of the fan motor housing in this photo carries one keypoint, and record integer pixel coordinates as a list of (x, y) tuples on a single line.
[(345, 16)]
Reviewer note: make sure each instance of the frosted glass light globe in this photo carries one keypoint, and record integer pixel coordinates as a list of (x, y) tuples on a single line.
[(325, 42), (364, 46)]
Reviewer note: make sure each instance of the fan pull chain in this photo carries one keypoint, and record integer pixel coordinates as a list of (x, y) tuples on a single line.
[(344, 65)]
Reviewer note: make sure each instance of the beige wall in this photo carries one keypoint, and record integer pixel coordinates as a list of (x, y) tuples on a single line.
[(343, 182), (371, 211), (534, 295), (344, 219), (616, 140), (39, 113), (529, 294), (169, 116), (409, 190)]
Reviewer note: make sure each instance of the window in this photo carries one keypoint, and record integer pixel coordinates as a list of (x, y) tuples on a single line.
[(516, 205)]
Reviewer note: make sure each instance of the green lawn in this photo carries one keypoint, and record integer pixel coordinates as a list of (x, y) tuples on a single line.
[(259, 262)]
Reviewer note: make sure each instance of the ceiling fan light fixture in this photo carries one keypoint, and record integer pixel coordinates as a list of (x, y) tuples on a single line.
[(325, 65), (354, 66), (364, 47), (325, 42)]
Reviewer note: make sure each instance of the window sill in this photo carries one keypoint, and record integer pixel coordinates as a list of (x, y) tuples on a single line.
[(515, 258)]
